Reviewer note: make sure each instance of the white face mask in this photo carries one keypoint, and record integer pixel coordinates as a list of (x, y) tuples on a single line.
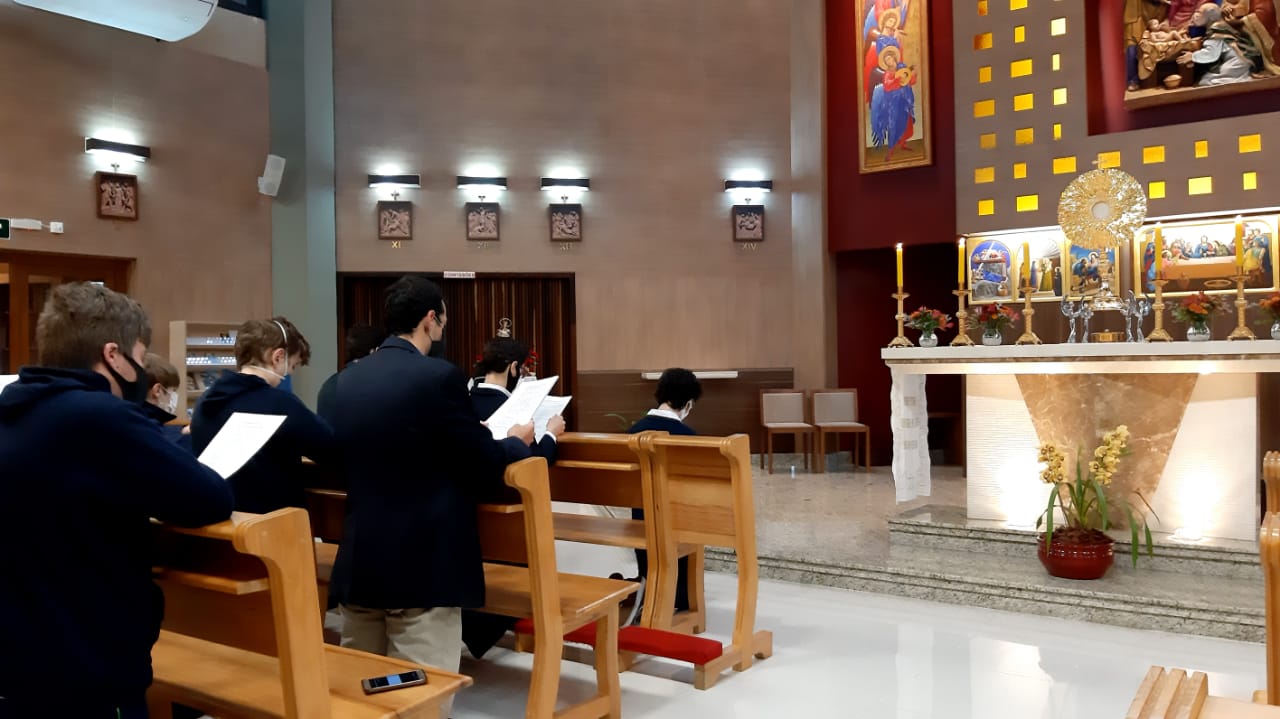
[(171, 404), (685, 410)]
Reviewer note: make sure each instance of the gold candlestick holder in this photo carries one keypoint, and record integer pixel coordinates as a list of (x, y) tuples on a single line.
[(1028, 336), (1159, 334), (962, 338), (1241, 332), (901, 340)]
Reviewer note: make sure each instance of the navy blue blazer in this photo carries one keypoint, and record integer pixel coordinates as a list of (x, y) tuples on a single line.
[(416, 461)]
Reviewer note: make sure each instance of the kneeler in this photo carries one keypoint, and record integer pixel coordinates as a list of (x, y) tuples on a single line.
[(697, 651)]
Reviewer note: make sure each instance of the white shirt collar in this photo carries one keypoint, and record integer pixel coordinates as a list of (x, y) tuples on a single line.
[(668, 413), (500, 388)]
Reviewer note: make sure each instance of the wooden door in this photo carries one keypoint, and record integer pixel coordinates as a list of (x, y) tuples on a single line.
[(32, 275)]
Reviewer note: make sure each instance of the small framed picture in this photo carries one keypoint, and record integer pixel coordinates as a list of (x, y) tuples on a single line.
[(395, 220), (116, 195), (748, 223), (482, 220), (566, 223)]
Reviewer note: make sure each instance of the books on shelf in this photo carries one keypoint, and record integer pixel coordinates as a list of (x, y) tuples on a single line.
[(211, 359), (226, 339)]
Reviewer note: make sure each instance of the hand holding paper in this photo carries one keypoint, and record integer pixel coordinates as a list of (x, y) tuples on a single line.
[(520, 407), (238, 440), (550, 407)]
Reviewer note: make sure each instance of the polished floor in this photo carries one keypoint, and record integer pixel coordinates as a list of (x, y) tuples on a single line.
[(850, 654)]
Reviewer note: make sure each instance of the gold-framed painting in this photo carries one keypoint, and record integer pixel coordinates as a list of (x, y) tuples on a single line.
[(995, 265), (893, 85), (991, 270), (1086, 269), (1196, 252)]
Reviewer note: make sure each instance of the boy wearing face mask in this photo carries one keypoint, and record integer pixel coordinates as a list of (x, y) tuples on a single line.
[(678, 389), (162, 399), (82, 470), (501, 364), (267, 352)]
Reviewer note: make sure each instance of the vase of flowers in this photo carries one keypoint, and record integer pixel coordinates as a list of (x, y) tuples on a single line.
[(1082, 549), (928, 321), (1270, 307), (994, 318), (1195, 311)]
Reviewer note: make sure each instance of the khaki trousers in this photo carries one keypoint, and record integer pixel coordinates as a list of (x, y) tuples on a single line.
[(432, 637)]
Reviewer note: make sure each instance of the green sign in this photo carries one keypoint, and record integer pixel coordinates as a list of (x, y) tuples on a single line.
[(4, 228)]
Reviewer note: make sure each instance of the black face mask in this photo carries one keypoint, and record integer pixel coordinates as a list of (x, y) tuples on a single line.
[(513, 380), (437, 348), (135, 391)]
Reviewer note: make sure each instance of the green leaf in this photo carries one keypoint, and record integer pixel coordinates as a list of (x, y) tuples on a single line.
[(1102, 503), (1048, 516), (1147, 529)]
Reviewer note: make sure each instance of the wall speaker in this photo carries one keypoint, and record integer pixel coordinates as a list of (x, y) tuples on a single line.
[(269, 183)]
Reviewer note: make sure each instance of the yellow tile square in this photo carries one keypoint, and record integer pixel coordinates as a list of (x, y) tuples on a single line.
[(1250, 180), (1058, 26), (1064, 165), (1019, 170), (1155, 190), (1250, 143), (1200, 186), (1060, 96), (982, 7), (1017, 4), (1020, 33), (1153, 155), (1057, 130), (1057, 61), (1028, 203), (1202, 149), (1024, 136), (1025, 101), (984, 108), (1020, 68), (982, 41), (986, 207), (987, 141), (984, 74), (983, 175), (1108, 160)]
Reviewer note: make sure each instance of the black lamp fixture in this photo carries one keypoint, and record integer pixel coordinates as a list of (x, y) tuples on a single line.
[(761, 185), (395, 181), (94, 145), (552, 184), (469, 182)]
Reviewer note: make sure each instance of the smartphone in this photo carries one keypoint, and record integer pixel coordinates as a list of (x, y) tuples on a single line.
[(374, 685)]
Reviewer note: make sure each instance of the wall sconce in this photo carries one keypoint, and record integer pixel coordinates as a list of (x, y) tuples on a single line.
[(758, 185), (466, 182), (567, 187), (398, 182), (747, 219), (116, 150)]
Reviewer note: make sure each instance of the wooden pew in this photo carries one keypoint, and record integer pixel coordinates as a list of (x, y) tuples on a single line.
[(242, 631), (613, 470), (557, 603), (704, 496)]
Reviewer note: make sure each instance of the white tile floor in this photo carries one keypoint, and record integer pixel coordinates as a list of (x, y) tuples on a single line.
[(849, 654)]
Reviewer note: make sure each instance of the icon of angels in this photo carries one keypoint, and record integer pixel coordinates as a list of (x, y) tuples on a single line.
[(482, 221), (395, 220), (566, 223), (748, 223), (117, 195), (893, 61)]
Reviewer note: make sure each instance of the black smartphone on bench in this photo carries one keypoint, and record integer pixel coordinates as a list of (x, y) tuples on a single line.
[(413, 678)]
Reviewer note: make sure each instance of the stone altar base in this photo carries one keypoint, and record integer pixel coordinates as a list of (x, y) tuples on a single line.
[(1212, 588)]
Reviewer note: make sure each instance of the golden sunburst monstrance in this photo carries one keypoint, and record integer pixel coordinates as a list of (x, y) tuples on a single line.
[(1102, 209)]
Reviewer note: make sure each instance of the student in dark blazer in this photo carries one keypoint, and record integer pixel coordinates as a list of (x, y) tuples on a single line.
[(267, 351), (164, 385), (362, 341), (417, 462), (677, 390)]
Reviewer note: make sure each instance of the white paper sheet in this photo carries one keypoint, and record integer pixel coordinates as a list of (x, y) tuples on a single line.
[(519, 408), (240, 438), (550, 407), (7, 379)]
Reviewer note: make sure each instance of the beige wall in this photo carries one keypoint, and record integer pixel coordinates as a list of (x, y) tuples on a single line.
[(656, 101), (203, 239)]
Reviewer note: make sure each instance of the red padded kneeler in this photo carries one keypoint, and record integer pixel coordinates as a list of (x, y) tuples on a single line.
[(643, 640)]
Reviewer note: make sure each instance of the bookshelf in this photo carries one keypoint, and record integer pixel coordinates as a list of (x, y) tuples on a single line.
[(200, 351)]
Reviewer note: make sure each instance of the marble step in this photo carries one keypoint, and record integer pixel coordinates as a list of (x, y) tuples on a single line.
[(1227, 607), (947, 528)]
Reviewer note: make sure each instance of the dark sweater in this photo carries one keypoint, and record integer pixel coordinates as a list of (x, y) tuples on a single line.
[(654, 423), (275, 477), (81, 473), (172, 432)]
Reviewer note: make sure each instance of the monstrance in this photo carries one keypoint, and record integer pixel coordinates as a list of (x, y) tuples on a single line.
[(1103, 210)]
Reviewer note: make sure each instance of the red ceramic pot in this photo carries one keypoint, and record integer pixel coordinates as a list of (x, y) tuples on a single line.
[(1074, 560)]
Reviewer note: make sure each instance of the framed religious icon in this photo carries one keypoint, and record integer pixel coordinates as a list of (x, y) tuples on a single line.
[(482, 221), (991, 274), (748, 223), (1196, 252), (1046, 249), (566, 222), (892, 52), (1086, 268), (395, 220), (116, 195)]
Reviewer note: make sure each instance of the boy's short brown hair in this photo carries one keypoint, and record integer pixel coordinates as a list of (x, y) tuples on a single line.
[(160, 372), (258, 338), (79, 318)]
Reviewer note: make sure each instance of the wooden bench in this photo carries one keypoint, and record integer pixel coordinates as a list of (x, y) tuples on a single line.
[(242, 631), (613, 470)]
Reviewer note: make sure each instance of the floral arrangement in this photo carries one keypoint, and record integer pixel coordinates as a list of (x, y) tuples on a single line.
[(1195, 309), (1083, 500), (995, 317), (1271, 306), (531, 363), (927, 320)]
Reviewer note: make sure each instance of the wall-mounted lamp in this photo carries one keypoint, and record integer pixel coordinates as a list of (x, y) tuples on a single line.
[(395, 182), (121, 150), (466, 182), (556, 184), (758, 185)]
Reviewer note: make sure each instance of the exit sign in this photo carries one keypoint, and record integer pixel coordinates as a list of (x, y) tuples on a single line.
[(4, 228)]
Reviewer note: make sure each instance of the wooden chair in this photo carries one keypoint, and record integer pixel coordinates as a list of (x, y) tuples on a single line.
[(836, 411), (556, 603), (782, 411), (704, 494), (242, 631)]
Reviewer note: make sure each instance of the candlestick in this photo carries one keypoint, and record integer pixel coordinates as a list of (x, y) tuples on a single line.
[(1159, 334), (1028, 336), (901, 340), (1239, 245), (960, 262), (898, 249), (1241, 332), (1159, 250), (962, 338)]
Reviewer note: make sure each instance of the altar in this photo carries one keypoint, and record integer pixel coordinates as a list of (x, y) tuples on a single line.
[(1192, 410)]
